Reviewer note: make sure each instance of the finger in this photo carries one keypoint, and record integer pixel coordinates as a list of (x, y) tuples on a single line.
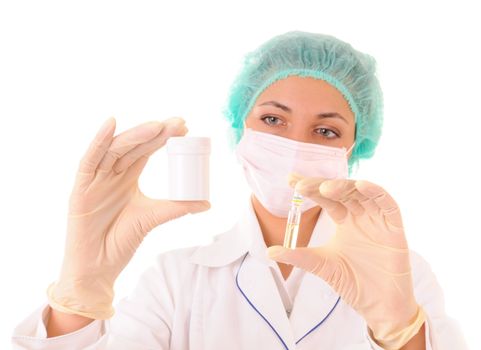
[(344, 192), (127, 140), (319, 261), (386, 204), (393, 219), (158, 212), (352, 205), (376, 193), (171, 128), (309, 187), (294, 178), (370, 206), (337, 189), (98, 147)]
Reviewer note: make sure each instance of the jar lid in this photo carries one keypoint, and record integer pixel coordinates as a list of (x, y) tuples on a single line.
[(188, 145)]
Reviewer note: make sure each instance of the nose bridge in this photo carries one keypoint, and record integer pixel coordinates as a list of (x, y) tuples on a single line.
[(299, 131)]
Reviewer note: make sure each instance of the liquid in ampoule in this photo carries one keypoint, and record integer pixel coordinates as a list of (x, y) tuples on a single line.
[(293, 221)]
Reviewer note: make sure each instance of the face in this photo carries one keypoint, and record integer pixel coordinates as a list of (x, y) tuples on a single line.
[(304, 109)]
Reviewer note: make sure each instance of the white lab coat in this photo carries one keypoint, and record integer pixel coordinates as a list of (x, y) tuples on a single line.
[(228, 295)]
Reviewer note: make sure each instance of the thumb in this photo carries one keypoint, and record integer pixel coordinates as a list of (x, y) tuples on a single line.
[(161, 211), (192, 207), (319, 261)]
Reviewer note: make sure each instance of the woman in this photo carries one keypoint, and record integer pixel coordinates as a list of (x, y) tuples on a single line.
[(304, 104)]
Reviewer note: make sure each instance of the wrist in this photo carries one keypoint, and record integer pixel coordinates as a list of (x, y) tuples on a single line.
[(90, 301), (59, 323), (394, 338)]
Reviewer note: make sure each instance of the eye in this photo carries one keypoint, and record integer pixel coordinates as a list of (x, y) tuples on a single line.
[(271, 120), (327, 133)]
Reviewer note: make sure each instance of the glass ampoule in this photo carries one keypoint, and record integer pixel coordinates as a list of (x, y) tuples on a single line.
[(293, 221)]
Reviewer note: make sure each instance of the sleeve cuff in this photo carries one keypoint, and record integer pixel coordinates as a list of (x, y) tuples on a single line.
[(375, 346), (32, 333)]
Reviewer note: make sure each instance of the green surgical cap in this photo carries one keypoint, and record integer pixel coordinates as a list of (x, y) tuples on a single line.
[(319, 56)]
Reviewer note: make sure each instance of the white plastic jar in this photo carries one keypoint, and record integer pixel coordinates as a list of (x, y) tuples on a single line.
[(188, 168)]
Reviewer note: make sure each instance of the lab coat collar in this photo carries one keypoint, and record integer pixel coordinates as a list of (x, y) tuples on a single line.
[(313, 303), (315, 298), (226, 247)]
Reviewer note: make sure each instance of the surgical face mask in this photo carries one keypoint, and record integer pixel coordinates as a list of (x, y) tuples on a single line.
[(268, 159)]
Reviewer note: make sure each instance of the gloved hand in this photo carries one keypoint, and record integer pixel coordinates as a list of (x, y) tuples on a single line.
[(366, 261), (109, 216)]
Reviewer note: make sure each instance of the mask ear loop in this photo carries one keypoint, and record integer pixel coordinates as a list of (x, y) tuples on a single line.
[(350, 148)]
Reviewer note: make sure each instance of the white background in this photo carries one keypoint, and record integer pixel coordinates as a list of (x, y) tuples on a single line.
[(67, 66)]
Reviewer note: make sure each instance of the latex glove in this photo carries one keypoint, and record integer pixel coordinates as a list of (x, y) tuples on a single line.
[(109, 216), (366, 261)]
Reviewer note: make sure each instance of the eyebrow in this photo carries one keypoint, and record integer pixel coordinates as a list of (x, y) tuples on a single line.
[(288, 110)]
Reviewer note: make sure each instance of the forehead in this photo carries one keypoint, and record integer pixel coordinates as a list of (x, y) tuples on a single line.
[(306, 94)]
